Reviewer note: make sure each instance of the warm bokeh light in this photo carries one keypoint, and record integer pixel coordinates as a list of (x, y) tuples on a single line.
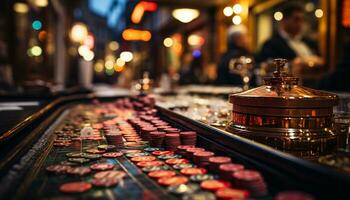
[(99, 66), (113, 45), (36, 51), (79, 32), (309, 7), (83, 50), (41, 3), (236, 20), (109, 72), (20, 7), (278, 16), (42, 35), (127, 56), (319, 13), (140, 9), (118, 68), (237, 8), (195, 40), (136, 35), (109, 64), (89, 41), (228, 11), (120, 62), (168, 42), (89, 56), (185, 15)]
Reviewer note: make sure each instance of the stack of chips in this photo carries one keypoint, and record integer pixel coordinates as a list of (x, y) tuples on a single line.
[(227, 169), (188, 138), (172, 130), (145, 132), (216, 161), (163, 127), (172, 141), (191, 151), (181, 150), (156, 139), (115, 139), (201, 158), (251, 180)]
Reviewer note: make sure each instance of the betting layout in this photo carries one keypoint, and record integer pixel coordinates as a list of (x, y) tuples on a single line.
[(168, 155)]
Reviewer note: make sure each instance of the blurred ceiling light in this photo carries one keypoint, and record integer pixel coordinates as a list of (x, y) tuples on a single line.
[(195, 40), (79, 32), (127, 56), (185, 15), (83, 50), (89, 56), (41, 3), (228, 11), (36, 51), (236, 20), (319, 13), (20, 8), (168, 42), (37, 25), (278, 16), (136, 35), (140, 9), (113, 45), (237, 8), (309, 7), (109, 64), (98, 66), (120, 62)]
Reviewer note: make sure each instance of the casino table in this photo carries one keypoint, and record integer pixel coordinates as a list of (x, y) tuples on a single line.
[(119, 147)]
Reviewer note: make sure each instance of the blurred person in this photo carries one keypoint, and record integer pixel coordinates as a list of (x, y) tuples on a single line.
[(289, 42), (237, 46), (339, 79)]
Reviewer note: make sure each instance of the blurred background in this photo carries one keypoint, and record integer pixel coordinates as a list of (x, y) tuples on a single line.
[(60, 44)]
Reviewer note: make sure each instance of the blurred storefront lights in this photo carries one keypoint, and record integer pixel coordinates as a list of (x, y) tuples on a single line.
[(109, 64), (195, 40), (168, 42), (120, 62), (36, 25), (319, 13), (278, 16), (36, 51), (99, 66), (20, 7), (237, 8), (236, 20), (185, 15), (113, 45), (41, 3), (89, 56), (228, 11), (79, 32), (83, 50), (127, 56), (136, 35)]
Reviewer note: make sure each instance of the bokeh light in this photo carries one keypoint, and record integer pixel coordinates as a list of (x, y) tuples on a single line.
[(79, 32), (37, 25), (113, 45), (168, 42), (236, 20), (237, 8), (127, 56), (278, 16), (228, 11), (319, 13), (20, 7)]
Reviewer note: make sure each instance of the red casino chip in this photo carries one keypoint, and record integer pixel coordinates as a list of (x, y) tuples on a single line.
[(175, 180), (150, 163), (174, 161), (80, 171), (102, 166), (161, 173), (193, 171), (143, 158), (230, 193), (247, 175), (112, 154), (105, 182), (58, 169), (159, 153), (110, 174), (75, 187), (214, 185)]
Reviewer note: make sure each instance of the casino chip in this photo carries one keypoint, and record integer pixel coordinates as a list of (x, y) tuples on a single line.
[(150, 149), (75, 187), (143, 158), (58, 169), (183, 166), (166, 157), (101, 166), (110, 174), (161, 173), (182, 189), (74, 154), (106, 147), (193, 171), (95, 151), (175, 180), (160, 152), (214, 185), (202, 177), (230, 193), (112, 154), (174, 161), (155, 168), (127, 151), (80, 171), (79, 160), (91, 156), (199, 195), (150, 163), (131, 155)]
